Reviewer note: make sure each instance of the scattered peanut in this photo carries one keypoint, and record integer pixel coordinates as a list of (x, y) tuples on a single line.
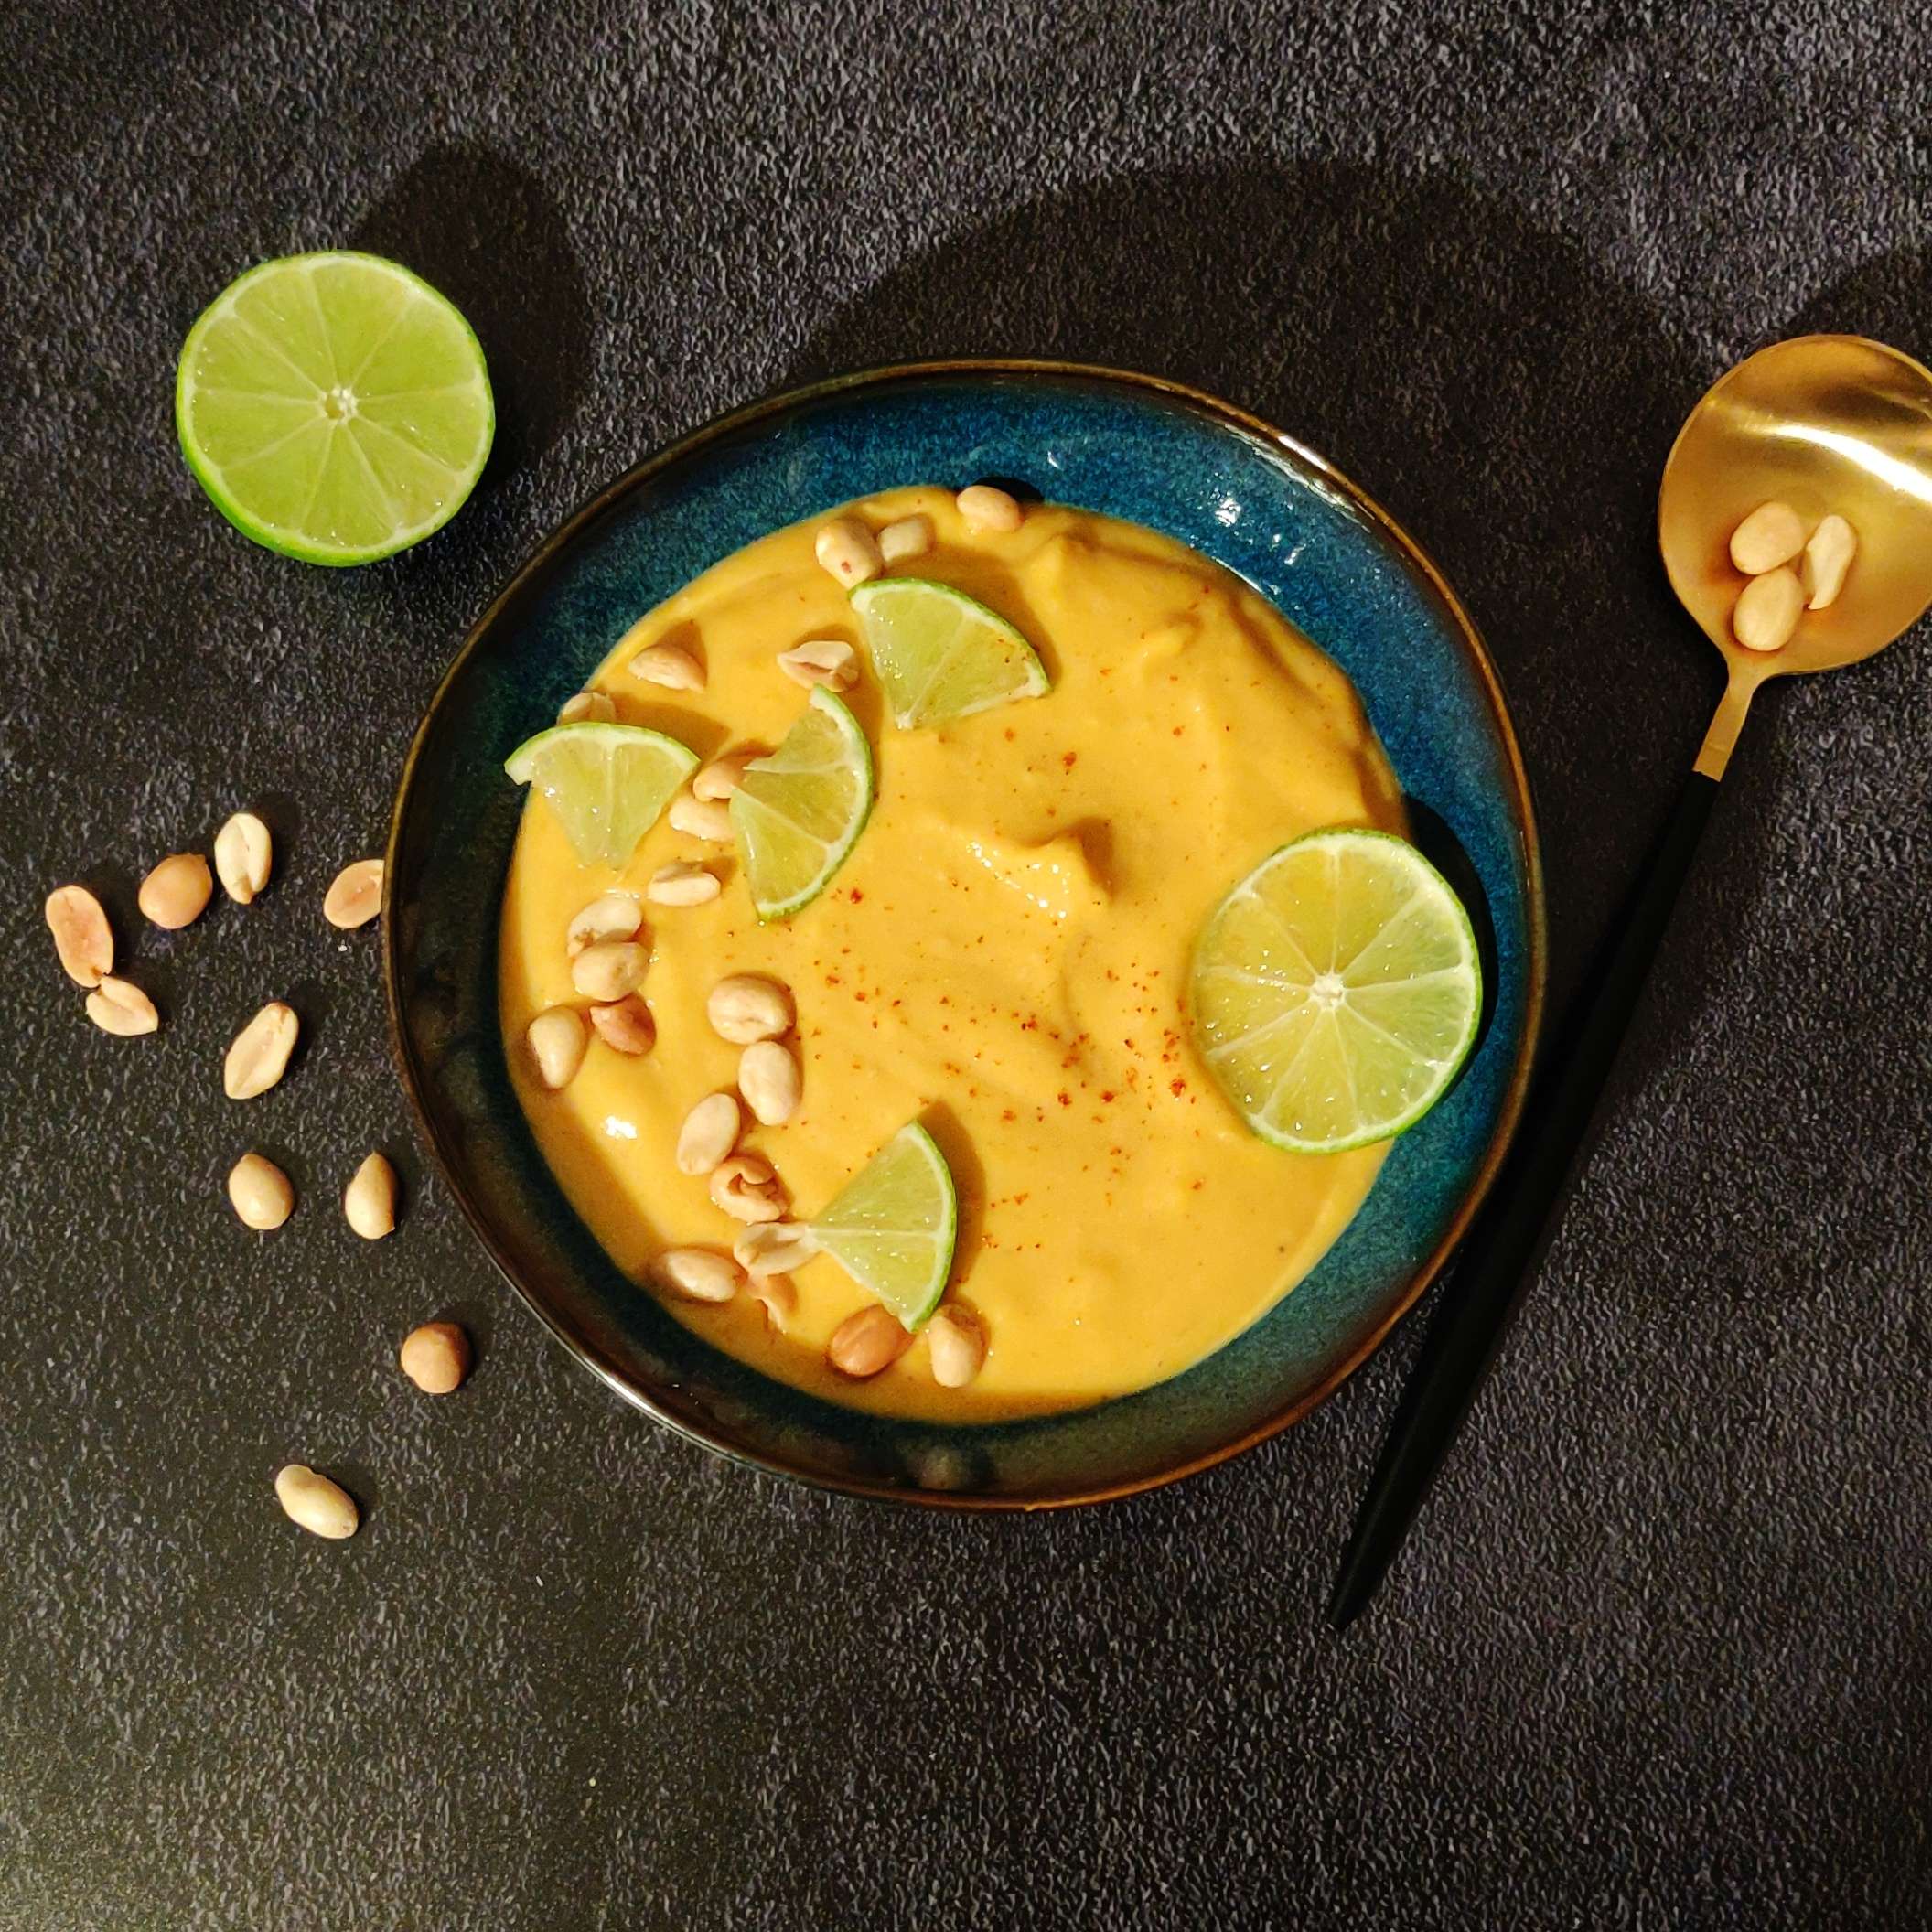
[(610, 969), (243, 853), (830, 661), (743, 1008), (682, 882), (587, 707), (260, 1193), (697, 1273), (370, 1200), (176, 892), (769, 1078), (701, 819), (746, 1189), (1772, 534), (82, 936), (120, 1007), (865, 1342), (724, 775), (778, 1296), (1827, 556), (435, 1356), (626, 1026), (666, 665), (1767, 610), (318, 1505), (258, 1055), (355, 897), (556, 1042), (957, 1345), (615, 915), (709, 1132), (773, 1248), (846, 548), (900, 543)]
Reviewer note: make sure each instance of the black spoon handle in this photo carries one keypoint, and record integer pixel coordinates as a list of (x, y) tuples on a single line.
[(1499, 1258)]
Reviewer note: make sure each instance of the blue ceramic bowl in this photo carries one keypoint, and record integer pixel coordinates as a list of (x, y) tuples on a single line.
[(1131, 446)]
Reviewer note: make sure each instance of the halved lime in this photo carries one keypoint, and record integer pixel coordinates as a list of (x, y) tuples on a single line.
[(940, 654), (334, 406), (1335, 990), (800, 812), (607, 783), (893, 1225)]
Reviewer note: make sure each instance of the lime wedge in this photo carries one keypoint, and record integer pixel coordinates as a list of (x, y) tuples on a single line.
[(892, 1226), (800, 812), (1335, 990), (606, 783), (334, 406), (940, 654)]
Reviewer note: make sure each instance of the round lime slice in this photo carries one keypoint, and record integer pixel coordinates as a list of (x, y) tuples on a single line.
[(800, 812), (1335, 990), (606, 783), (334, 406), (893, 1225), (940, 654)]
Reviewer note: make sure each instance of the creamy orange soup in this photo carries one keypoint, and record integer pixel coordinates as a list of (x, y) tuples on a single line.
[(1002, 957)]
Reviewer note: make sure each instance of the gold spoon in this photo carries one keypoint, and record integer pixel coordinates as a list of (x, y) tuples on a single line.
[(1823, 423)]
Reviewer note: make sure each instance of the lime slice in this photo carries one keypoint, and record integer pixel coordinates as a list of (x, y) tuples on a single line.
[(940, 654), (1335, 990), (335, 406), (892, 1227), (800, 812), (606, 783)]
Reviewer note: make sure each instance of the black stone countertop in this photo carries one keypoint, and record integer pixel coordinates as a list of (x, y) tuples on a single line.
[(1660, 1653)]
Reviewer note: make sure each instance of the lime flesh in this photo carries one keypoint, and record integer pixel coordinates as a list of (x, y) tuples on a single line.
[(334, 406), (940, 654), (1335, 992), (799, 812), (606, 783), (892, 1227)]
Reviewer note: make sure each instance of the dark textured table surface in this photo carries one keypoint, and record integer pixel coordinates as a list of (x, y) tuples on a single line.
[(1660, 1653)]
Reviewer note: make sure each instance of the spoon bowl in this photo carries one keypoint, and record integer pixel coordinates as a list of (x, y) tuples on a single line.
[(1823, 423)]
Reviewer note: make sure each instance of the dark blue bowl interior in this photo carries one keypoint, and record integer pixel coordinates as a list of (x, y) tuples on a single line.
[(1130, 448)]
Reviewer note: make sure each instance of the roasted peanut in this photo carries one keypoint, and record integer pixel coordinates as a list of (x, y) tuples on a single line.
[(320, 1505), (956, 1346), (724, 775), (258, 1055), (709, 1132), (260, 1193), (866, 1342), (82, 936), (900, 543), (744, 1006), (682, 882), (701, 819), (610, 969), (773, 1248), (176, 892), (769, 1078), (1827, 557), (746, 1189), (355, 895), (243, 853), (667, 666), (846, 548), (556, 1042), (1772, 534), (121, 1008), (830, 661), (435, 1356), (370, 1200), (613, 916), (1767, 610), (779, 1295), (697, 1273), (626, 1026), (986, 507)]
